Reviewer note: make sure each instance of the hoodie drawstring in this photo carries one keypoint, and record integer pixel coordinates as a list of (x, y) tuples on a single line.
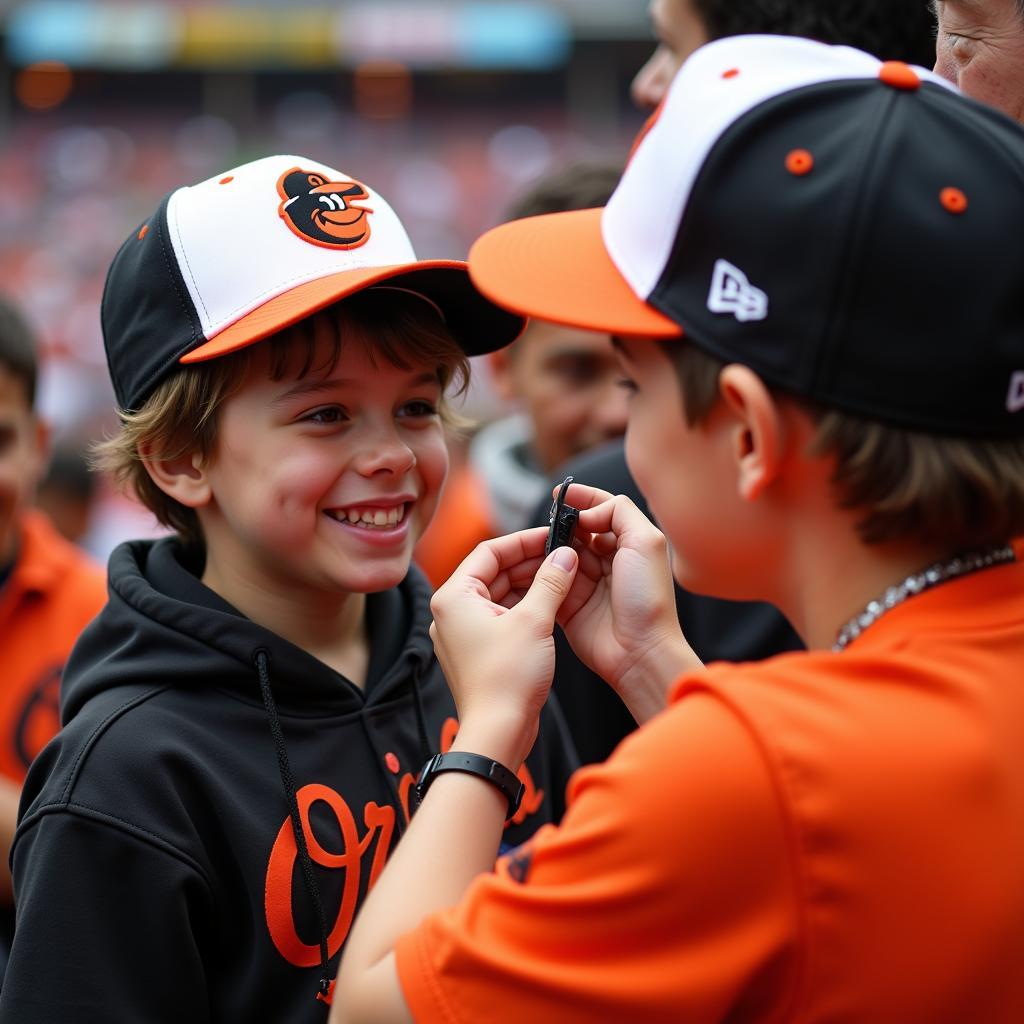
[(262, 659), (426, 749)]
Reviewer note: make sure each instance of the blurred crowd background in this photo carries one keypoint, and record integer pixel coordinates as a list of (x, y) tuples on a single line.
[(450, 109)]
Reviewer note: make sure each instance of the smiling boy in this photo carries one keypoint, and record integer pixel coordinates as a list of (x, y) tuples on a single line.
[(244, 723)]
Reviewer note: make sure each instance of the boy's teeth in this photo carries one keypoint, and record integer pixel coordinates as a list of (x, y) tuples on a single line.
[(374, 516)]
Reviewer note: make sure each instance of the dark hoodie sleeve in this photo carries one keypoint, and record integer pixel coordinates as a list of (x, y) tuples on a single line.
[(106, 928)]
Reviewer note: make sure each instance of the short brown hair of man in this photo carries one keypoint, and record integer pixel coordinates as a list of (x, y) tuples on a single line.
[(963, 493), (181, 415)]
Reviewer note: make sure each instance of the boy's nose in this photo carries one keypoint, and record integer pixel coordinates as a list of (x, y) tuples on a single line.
[(386, 453)]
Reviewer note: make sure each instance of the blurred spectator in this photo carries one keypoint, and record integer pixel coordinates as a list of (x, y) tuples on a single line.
[(980, 48), (565, 384), (67, 493), (48, 591), (890, 29)]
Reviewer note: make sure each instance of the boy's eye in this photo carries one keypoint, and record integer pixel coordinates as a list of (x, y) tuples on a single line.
[(576, 370), (419, 409), (628, 385), (327, 416)]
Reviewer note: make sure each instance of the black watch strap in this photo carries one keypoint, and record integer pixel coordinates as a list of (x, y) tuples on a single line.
[(473, 764)]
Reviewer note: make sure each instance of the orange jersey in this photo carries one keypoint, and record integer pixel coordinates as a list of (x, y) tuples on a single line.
[(819, 837), (52, 593), (463, 519)]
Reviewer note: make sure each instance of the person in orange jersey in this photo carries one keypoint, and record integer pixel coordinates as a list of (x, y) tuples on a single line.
[(49, 589), (828, 835)]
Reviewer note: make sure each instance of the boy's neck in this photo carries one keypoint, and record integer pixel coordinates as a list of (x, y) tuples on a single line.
[(329, 626), (839, 584)]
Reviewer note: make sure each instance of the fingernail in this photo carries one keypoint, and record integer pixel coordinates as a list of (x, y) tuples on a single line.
[(564, 558)]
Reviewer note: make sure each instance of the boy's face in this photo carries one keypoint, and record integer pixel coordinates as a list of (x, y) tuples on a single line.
[(324, 484), (687, 474), (567, 382), (22, 458)]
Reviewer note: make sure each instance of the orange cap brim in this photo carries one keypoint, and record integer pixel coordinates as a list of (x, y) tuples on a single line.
[(476, 324), (556, 267)]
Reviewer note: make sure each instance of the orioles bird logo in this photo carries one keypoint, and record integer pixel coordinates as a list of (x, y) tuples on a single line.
[(322, 211)]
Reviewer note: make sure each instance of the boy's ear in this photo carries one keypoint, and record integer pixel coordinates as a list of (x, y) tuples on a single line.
[(758, 430), (183, 478)]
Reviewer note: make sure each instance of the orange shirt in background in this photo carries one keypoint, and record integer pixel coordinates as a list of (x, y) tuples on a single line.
[(52, 593), (819, 837), (463, 519)]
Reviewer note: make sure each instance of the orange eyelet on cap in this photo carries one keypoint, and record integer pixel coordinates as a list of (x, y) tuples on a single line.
[(224, 181), (800, 162), (899, 75), (731, 73), (953, 199), (144, 231)]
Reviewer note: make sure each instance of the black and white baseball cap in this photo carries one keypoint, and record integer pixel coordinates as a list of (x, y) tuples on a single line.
[(850, 229), (230, 261)]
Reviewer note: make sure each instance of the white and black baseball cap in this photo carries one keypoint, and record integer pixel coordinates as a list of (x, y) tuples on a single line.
[(230, 261), (850, 229)]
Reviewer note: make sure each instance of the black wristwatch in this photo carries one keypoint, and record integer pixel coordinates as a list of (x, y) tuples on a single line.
[(473, 764)]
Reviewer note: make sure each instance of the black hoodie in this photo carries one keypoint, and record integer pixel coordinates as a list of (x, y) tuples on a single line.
[(156, 866)]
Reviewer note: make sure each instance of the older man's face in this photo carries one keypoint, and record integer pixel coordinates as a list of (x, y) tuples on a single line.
[(980, 47)]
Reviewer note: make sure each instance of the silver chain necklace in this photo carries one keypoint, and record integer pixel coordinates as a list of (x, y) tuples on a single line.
[(917, 583)]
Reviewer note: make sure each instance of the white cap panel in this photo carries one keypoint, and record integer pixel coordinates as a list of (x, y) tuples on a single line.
[(719, 83), (269, 257)]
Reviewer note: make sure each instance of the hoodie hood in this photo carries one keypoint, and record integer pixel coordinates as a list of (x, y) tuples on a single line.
[(163, 624)]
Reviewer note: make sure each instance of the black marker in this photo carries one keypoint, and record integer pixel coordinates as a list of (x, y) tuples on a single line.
[(563, 521)]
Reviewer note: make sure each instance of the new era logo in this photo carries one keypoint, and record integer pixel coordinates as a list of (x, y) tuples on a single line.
[(732, 293), (1015, 399)]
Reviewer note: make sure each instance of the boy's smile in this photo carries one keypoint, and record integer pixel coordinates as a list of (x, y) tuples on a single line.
[(321, 486)]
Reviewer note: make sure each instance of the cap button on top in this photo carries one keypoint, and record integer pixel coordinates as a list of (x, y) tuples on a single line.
[(899, 75)]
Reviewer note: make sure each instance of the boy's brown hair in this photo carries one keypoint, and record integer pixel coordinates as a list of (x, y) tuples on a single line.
[(959, 492), (181, 416)]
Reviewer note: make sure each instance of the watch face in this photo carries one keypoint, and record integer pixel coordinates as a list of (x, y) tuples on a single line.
[(426, 773)]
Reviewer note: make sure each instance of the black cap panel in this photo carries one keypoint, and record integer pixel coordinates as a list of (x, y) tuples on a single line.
[(148, 318), (872, 284), (933, 327)]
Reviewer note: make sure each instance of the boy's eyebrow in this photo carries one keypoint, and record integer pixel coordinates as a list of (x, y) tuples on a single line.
[(313, 387)]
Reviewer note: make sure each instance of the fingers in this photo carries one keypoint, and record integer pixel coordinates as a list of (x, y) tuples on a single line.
[(621, 520), (487, 561), (583, 496), (550, 587)]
